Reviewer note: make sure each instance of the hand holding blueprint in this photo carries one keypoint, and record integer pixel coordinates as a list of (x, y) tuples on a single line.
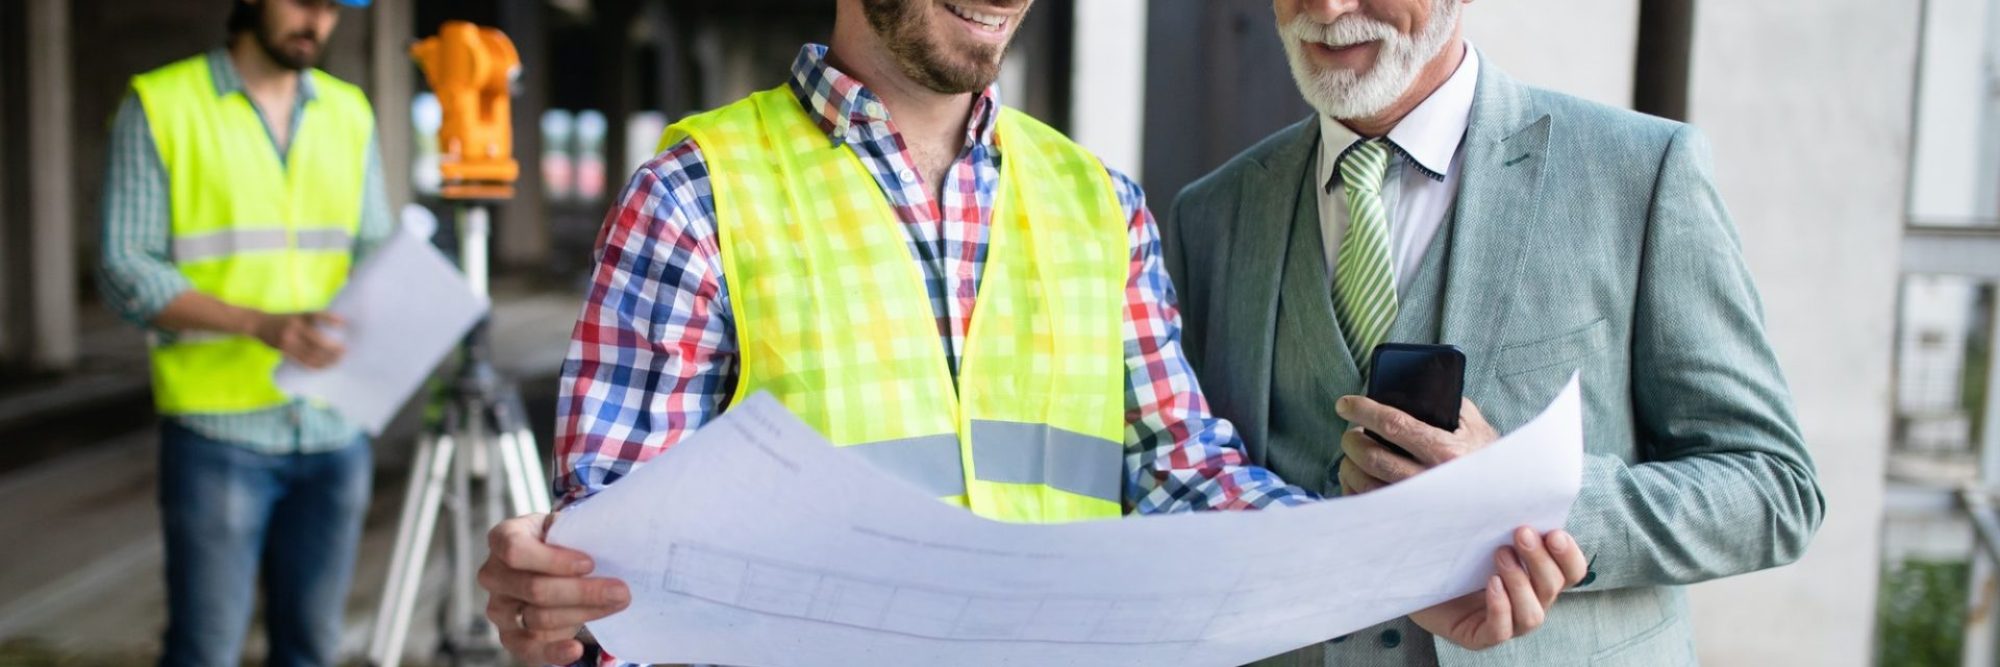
[(756, 543), (405, 307)]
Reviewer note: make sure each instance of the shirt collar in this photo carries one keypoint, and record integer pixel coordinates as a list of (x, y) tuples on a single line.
[(222, 72), (840, 104), (1428, 138)]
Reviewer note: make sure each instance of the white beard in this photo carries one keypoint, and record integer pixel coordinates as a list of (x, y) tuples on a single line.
[(1345, 94)]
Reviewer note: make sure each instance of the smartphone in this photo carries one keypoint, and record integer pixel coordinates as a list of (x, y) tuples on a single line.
[(1426, 381)]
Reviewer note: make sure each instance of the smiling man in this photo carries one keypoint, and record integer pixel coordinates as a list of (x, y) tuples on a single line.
[(1434, 199), (936, 283)]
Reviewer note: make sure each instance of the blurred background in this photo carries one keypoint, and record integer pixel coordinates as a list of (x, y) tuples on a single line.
[(1857, 143)]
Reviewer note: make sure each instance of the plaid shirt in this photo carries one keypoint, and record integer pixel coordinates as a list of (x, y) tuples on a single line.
[(137, 276), (653, 355)]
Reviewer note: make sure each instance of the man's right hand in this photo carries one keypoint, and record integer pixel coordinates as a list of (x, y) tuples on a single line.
[(298, 337), (537, 594)]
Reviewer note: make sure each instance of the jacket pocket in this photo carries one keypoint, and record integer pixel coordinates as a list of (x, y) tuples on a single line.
[(1669, 643), (1554, 351)]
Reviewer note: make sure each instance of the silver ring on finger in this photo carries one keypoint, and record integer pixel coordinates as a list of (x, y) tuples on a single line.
[(521, 618)]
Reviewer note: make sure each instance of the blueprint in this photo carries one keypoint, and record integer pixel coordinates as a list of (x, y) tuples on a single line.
[(406, 307), (757, 543)]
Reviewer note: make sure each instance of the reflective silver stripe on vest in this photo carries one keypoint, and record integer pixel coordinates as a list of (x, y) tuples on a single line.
[(212, 245), (325, 239), (1018, 453), (930, 462), (1008, 453)]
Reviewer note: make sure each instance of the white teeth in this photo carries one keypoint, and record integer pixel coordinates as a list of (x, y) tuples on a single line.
[(988, 21)]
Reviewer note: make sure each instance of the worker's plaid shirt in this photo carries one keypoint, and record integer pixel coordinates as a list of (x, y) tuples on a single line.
[(653, 356)]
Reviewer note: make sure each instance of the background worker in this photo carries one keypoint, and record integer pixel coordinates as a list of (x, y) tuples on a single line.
[(243, 186)]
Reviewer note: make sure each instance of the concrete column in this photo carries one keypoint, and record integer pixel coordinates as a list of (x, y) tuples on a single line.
[(1108, 82), (391, 79), (1953, 183), (10, 34), (522, 238), (1660, 80), (53, 290), (1811, 140)]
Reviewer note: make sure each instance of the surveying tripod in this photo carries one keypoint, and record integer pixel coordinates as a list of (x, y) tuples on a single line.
[(477, 457)]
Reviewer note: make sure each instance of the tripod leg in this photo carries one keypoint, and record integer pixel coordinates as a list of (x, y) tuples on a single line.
[(533, 480), (459, 604), (523, 492), (493, 508), (396, 578), (420, 520), (531, 486)]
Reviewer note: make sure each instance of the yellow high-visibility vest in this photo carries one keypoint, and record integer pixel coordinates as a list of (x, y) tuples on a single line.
[(833, 319), (248, 229)]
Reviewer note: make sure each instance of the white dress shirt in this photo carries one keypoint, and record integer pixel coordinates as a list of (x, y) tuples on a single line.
[(1422, 182)]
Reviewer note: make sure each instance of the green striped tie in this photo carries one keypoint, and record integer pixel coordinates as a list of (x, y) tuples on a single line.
[(1364, 288)]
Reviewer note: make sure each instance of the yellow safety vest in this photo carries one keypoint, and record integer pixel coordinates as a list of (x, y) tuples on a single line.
[(247, 229), (833, 319)]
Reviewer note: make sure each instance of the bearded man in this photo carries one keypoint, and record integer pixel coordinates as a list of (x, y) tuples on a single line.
[(243, 185), (933, 281), (1434, 199)]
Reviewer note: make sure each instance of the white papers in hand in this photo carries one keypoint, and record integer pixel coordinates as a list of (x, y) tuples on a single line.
[(756, 543), (406, 306)]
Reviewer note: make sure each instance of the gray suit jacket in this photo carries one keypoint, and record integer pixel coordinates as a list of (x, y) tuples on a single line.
[(1584, 237)]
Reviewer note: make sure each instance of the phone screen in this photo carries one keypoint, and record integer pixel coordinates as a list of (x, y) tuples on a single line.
[(1426, 383)]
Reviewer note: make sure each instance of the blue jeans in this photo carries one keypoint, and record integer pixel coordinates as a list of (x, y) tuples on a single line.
[(226, 509)]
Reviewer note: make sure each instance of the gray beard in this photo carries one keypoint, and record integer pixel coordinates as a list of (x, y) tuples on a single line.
[(1346, 94)]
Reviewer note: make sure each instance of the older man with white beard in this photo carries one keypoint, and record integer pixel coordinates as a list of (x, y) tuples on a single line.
[(1435, 200)]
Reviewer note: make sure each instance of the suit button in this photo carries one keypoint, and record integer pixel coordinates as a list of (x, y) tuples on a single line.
[(1588, 576), (1339, 639), (1392, 638)]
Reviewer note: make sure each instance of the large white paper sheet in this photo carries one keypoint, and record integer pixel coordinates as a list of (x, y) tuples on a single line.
[(756, 543), (406, 306)]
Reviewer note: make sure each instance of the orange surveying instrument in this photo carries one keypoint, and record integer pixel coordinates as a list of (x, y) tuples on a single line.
[(471, 70), (476, 458)]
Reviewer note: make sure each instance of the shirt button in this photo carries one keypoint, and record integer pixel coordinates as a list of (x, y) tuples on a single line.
[(1392, 638), (906, 176)]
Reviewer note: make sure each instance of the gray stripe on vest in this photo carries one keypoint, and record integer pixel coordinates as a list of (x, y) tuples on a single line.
[(325, 239), (227, 242), (213, 245), (930, 462), (1019, 453)]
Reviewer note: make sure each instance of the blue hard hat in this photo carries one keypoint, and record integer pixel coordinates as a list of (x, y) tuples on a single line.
[(355, 3)]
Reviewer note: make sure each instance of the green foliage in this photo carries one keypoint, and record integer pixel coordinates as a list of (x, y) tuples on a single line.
[(1921, 613)]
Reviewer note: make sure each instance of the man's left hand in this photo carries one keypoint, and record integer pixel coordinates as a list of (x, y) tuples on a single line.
[(1531, 573), (1368, 465)]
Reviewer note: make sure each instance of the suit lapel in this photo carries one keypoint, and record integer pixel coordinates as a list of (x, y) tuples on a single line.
[(1256, 258), (1306, 307), (1498, 219)]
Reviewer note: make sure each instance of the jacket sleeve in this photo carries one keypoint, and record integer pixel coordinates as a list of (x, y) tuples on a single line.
[(1725, 485)]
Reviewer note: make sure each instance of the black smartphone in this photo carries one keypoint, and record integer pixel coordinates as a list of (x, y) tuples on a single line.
[(1426, 381)]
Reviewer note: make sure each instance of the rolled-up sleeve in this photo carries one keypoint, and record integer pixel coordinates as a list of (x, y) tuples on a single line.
[(135, 271)]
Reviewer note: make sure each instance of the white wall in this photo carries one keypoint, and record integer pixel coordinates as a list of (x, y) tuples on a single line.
[(1581, 47), (1807, 103)]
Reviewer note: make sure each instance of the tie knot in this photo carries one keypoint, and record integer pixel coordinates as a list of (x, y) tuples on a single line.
[(1364, 165)]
